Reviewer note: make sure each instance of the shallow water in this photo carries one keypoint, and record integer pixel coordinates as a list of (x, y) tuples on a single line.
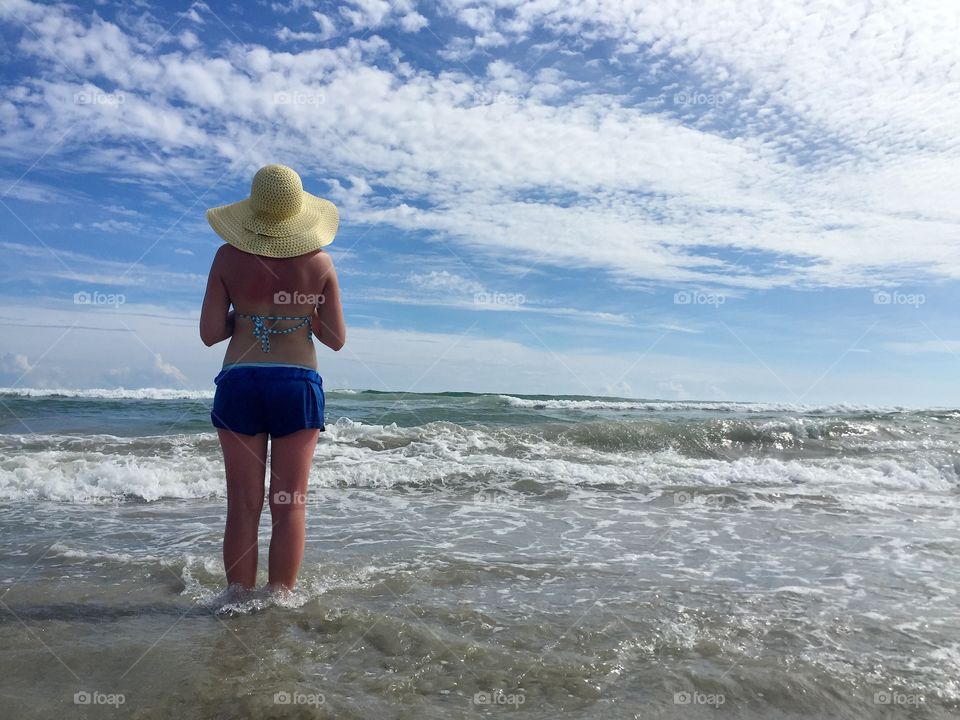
[(473, 555)]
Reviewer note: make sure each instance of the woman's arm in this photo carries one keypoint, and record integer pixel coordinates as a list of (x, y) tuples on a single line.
[(328, 324), (216, 317)]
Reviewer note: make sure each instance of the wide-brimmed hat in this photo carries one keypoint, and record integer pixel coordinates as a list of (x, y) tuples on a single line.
[(279, 219)]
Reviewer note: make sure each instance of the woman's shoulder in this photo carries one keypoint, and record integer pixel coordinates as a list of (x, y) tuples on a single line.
[(226, 251), (318, 258), (231, 255)]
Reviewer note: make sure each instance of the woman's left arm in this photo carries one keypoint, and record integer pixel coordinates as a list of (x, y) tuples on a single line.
[(216, 317)]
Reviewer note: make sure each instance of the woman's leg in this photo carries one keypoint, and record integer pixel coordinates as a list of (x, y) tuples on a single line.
[(245, 462), (290, 460)]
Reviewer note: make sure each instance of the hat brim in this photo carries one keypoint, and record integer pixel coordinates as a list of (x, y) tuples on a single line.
[(312, 228)]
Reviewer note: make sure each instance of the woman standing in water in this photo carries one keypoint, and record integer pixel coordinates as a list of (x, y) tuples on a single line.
[(283, 289)]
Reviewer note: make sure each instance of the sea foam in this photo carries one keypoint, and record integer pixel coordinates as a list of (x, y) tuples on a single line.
[(443, 456)]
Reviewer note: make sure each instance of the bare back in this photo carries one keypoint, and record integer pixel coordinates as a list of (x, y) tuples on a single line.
[(304, 286)]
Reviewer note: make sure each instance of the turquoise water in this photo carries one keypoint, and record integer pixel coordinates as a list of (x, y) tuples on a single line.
[(472, 555)]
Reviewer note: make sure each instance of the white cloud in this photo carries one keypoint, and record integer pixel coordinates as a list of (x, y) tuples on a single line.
[(23, 189), (678, 328), (492, 301), (16, 370), (413, 22), (292, 5), (120, 210), (66, 345), (365, 13), (168, 370), (951, 347), (830, 161), (191, 12), (674, 390), (444, 281), (189, 39), (89, 273), (114, 226), (328, 30), (442, 288), (158, 374), (153, 347), (14, 363)]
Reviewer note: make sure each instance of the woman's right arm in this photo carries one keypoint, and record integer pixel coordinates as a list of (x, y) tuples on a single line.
[(216, 317), (328, 324)]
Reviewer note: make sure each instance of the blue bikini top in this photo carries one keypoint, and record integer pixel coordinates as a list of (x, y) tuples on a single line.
[(263, 333)]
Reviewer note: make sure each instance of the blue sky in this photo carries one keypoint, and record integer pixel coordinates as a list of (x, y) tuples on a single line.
[(680, 200)]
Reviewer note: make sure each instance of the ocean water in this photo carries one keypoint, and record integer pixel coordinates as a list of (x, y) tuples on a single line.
[(480, 555)]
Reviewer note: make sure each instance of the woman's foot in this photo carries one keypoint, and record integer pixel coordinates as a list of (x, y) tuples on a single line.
[(278, 590), (233, 594)]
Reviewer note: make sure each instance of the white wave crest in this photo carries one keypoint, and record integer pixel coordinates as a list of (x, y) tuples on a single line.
[(95, 476), (125, 393), (446, 455), (679, 405), (110, 393)]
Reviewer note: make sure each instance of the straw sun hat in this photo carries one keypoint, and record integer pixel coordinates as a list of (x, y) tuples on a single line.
[(279, 219)]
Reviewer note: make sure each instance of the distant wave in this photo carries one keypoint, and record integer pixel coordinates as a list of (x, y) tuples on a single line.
[(731, 406), (512, 401), (110, 393), (128, 394)]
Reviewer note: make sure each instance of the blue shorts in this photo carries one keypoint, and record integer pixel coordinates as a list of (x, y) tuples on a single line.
[(268, 398)]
